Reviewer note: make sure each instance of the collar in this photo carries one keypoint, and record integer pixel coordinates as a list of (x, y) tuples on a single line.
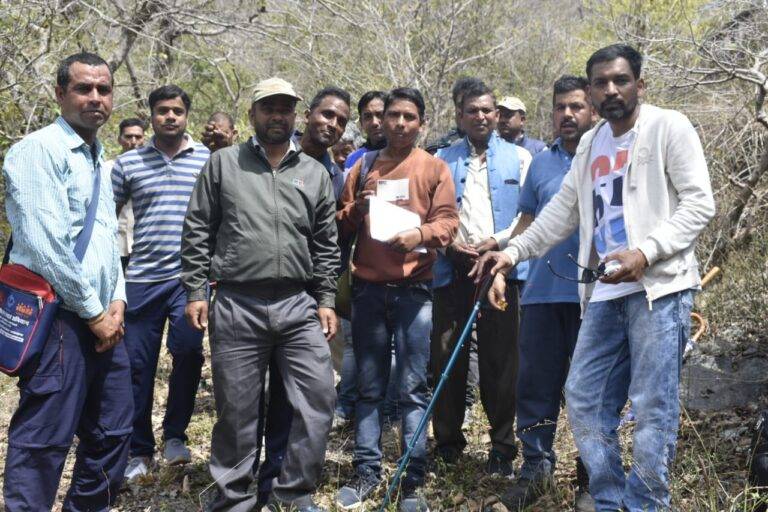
[(257, 145), (73, 140), (557, 147), (189, 145)]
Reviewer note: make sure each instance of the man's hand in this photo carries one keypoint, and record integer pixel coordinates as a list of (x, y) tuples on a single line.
[(328, 321), (117, 311), (461, 255), (497, 262), (406, 241), (196, 312), (213, 138), (108, 331), (362, 204), (489, 244), (497, 292), (633, 264)]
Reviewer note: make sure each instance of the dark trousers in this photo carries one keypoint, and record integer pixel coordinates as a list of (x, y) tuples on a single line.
[(247, 332), (150, 305), (497, 364), (548, 334), (73, 391)]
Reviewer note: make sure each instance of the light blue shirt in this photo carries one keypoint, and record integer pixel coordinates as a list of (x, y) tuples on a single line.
[(48, 185)]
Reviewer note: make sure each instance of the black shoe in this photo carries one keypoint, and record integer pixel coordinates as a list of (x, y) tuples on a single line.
[(523, 493), (352, 495), (499, 465), (447, 455), (584, 501)]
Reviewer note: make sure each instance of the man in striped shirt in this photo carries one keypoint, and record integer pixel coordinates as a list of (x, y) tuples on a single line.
[(159, 179)]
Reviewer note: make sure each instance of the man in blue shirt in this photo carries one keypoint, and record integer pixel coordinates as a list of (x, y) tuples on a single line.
[(550, 306), (159, 179), (512, 125), (81, 383)]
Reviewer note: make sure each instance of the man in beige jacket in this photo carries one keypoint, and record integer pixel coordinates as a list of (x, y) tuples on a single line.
[(639, 193)]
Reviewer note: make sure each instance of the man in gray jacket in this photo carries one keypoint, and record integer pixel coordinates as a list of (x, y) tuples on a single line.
[(261, 224), (639, 193)]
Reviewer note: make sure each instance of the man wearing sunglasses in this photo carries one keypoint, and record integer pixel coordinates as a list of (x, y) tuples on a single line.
[(640, 194)]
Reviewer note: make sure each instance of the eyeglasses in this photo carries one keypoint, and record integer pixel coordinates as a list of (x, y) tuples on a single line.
[(589, 275)]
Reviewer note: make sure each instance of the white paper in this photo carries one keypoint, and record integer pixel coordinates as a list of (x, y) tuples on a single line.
[(392, 190), (387, 220)]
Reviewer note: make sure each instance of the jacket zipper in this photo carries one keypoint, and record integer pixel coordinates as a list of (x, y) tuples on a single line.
[(277, 224)]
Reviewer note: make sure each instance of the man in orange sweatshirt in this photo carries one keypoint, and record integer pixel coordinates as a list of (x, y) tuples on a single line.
[(391, 295)]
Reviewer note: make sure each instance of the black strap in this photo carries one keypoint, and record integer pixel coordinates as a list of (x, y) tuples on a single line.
[(365, 168), (84, 238)]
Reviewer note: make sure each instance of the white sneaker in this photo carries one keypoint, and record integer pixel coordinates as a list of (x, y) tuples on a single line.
[(176, 452), (137, 468)]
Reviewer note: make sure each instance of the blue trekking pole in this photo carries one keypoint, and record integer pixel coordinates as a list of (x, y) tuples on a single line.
[(443, 378)]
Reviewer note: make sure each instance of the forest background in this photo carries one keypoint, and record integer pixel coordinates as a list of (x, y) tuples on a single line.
[(708, 59)]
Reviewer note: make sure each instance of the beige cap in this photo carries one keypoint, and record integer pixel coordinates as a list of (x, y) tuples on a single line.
[(272, 87), (512, 103)]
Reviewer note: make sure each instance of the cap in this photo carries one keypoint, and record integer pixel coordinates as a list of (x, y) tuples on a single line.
[(511, 103), (272, 87)]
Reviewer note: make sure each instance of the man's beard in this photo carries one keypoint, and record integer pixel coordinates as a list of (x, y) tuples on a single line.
[(619, 111), (266, 137)]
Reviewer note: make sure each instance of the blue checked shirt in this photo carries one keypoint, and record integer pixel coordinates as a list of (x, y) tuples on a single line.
[(48, 186)]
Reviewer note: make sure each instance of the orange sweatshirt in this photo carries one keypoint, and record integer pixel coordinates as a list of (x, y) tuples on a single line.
[(431, 195)]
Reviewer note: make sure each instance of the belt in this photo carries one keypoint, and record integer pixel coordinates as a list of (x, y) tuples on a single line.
[(264, 291)]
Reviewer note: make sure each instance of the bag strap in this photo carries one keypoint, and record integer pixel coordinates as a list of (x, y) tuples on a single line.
[(365, 168), (84, 238)]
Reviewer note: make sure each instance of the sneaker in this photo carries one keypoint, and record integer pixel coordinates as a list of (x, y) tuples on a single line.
[(524, 493), (137, 467), (499, 465), (176, 452), (357, 490), (411, 499)]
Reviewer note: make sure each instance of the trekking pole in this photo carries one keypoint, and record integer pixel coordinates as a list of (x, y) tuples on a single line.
[(443, 378)]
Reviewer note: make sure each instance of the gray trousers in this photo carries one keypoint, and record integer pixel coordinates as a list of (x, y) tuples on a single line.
[(245, 332)]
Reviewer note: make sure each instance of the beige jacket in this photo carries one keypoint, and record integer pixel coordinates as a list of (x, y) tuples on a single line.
[(667, 202)]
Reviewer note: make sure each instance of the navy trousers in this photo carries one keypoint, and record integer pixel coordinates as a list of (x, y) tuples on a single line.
[(73, 391), (150, 305), (548, 334)]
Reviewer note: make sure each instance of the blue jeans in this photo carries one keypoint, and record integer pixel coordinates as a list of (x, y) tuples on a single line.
[(381, 313), (345, 401), (548, 334), (628, 350)]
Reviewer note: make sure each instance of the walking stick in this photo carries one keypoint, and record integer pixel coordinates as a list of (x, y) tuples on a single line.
[(443, 378)]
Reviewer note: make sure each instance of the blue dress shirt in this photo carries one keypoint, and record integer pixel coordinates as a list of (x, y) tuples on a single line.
[(48, 185)]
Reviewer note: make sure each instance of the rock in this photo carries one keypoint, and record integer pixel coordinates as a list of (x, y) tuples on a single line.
[(712, 383)]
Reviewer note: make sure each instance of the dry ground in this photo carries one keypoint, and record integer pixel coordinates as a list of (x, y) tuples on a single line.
[(709, 473)]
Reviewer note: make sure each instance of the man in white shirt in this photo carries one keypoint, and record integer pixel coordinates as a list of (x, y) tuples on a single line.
[(488, 173)]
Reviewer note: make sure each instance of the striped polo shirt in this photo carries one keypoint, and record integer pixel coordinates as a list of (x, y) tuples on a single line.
[(160, 188)]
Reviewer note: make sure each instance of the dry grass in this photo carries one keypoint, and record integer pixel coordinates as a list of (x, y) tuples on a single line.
[(709, 473)]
